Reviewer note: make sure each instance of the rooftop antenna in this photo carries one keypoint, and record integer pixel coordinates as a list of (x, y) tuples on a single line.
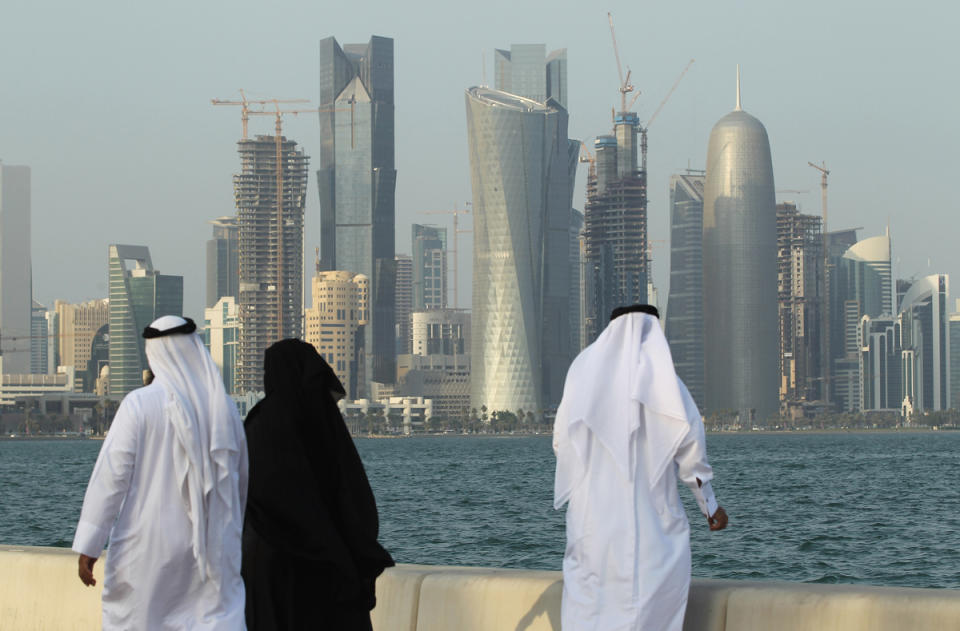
[(738, 108), (483, 63)]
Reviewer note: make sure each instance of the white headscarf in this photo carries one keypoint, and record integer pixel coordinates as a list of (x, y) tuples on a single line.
[(624, 379), (209, 436)]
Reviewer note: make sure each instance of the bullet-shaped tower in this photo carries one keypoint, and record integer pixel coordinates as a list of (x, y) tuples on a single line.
[(740, 270)]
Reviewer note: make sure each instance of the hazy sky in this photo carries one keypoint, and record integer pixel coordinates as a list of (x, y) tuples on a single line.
[(109, 103)]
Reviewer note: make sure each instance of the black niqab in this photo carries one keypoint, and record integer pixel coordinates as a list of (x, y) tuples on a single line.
[(309, 497)]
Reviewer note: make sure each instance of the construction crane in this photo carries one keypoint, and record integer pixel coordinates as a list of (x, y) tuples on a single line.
[(643, 128), (278, 136), (456, 212), (822, 168), (625, 86), (245, 103)]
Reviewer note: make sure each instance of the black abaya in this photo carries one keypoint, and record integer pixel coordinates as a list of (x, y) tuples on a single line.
[(310, 551)]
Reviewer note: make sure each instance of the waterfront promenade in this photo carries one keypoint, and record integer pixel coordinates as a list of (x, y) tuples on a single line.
[(39, 589)]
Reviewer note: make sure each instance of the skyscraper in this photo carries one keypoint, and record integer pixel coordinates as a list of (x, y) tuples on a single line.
[(221, 336), (270, 249), (684, 319), (335, 322), (429, 267), (881, 382), (522, 168), (615, 225), (860, 284), (223, 260), (16, 284), (39, 340), (357, 182), (740, 269), (925, 341), (800, 299), (403, 300), (954, 333), (138, 295), (576, 280)]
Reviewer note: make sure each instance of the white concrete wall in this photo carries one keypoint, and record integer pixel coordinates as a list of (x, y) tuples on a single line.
[(39, 589)]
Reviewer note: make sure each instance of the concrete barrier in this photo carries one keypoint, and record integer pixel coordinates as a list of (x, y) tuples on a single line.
[(39, 590)]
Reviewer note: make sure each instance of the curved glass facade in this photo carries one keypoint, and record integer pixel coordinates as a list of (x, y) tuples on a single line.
[(740, 270), (522, 168)]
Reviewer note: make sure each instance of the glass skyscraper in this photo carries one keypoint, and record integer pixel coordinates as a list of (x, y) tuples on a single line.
[(740, 270), (522, 169), (138, 296), (357, 182), (16, 282), (684, 318), (223, 260), (925, 340), (429, 267), (860, 285)]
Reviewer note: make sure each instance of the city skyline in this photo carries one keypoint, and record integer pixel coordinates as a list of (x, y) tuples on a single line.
[(850, 114)]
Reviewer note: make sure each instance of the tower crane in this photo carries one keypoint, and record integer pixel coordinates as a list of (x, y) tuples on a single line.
[(456, 212), (245, 103), (824, 172), (625, 86), (643, 128)]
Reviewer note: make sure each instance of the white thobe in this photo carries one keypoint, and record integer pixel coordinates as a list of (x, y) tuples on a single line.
[(627, 560), (152, 578)]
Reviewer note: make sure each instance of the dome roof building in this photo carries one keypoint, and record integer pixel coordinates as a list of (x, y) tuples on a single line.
[(740, 270)]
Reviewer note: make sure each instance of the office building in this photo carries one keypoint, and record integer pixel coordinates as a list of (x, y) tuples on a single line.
[(270, 249), (954, 332), (403, 298), (438, 368), (881, 387), (800, 301), (860, 284), (522, 198), (740, 270), (357, 183), (39, 340), (77, 325), (577, 269), (221, 336), (335, 325), (16, 284), (429, 267), (925, 343), (139, 294), (223, 260), (684, 318)]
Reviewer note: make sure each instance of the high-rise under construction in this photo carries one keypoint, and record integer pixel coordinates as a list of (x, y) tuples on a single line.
[(615, 226), (270, 193)]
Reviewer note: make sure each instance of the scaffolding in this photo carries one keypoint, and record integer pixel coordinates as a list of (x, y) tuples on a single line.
[(271, 249), (800, 294), (615, 247)]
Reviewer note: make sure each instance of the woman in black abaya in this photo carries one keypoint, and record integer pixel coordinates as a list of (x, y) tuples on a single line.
[(310, 551)]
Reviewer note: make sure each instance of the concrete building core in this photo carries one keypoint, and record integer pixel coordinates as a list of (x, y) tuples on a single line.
[(270, 249)]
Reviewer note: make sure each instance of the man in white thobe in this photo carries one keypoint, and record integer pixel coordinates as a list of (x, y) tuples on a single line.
[(626, 431), (169, 490)]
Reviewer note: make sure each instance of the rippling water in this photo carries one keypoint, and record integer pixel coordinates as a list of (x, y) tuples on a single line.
[(881, 508)]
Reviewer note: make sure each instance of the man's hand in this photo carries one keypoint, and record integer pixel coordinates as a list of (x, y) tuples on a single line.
[(719, 519), (86, 570)]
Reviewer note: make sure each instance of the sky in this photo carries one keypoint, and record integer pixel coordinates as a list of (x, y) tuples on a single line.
[(109, 104)]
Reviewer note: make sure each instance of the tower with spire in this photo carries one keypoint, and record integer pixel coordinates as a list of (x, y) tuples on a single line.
[(740, 270)]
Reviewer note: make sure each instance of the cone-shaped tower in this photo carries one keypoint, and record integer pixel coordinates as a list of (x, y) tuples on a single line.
[(740, 269)]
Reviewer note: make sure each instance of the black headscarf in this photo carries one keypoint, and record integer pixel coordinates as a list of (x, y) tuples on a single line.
[(309, 496)]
